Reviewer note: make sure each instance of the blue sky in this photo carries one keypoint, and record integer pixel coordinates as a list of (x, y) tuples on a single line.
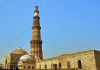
[(67, 25)]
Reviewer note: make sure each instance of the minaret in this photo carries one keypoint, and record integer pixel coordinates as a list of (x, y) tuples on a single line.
[(36, 42)]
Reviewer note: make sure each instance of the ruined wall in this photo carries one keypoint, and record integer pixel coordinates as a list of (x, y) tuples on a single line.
[(46, 64), (97, 59), (84, 60), (81, 60)]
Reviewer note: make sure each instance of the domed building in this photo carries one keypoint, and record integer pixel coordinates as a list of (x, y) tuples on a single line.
[(11, 60), (26, 62), (19, 51)]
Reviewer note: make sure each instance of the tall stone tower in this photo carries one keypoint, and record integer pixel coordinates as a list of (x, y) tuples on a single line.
[(36, 42)]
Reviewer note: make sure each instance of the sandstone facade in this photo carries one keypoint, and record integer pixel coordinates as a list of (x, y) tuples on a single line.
[(87, 60)]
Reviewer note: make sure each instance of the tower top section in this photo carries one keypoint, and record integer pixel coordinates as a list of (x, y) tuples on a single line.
[(36, 8), (36, 12)]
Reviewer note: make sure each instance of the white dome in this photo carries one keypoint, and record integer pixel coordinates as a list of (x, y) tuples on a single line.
[(26, 57)]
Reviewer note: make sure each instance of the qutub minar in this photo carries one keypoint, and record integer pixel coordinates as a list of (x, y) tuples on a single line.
[(36, 42), (20, 59)]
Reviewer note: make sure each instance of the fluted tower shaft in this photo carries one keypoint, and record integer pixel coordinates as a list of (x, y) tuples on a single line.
[(36, 42)]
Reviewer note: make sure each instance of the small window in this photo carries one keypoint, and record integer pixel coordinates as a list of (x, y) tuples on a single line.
[(79, 64)]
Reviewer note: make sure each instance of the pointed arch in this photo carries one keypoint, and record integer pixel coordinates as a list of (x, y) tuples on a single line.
[(45, 66), (79, 64)]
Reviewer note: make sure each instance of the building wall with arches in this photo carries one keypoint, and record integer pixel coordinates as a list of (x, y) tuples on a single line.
[(85, 60)]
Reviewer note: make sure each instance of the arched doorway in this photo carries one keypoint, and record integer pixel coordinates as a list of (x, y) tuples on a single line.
[(55, 66), (79, 64), (59, 65), (45, 66), (68, 65)]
